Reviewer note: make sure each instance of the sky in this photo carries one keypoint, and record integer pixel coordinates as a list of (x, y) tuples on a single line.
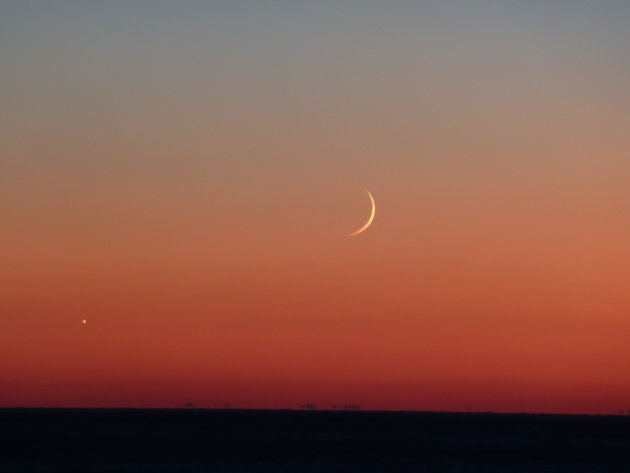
[(183, 175)]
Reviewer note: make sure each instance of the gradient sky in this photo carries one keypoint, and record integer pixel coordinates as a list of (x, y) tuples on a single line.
[(182, 175)]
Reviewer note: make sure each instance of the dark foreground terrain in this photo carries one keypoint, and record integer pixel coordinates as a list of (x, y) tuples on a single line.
[(112, 440)]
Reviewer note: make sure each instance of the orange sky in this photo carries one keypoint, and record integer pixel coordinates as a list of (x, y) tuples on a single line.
[(183, 180)]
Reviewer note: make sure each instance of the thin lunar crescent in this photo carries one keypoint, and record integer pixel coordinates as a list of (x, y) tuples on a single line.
[(369, 222)]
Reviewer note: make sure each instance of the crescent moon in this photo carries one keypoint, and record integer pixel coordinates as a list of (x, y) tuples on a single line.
[(369, 222)]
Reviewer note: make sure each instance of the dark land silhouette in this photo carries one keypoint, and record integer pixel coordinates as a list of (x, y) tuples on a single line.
[(197, 440)]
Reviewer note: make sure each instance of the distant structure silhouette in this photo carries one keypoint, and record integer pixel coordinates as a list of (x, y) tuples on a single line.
[(308, 406), (189, 405)]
